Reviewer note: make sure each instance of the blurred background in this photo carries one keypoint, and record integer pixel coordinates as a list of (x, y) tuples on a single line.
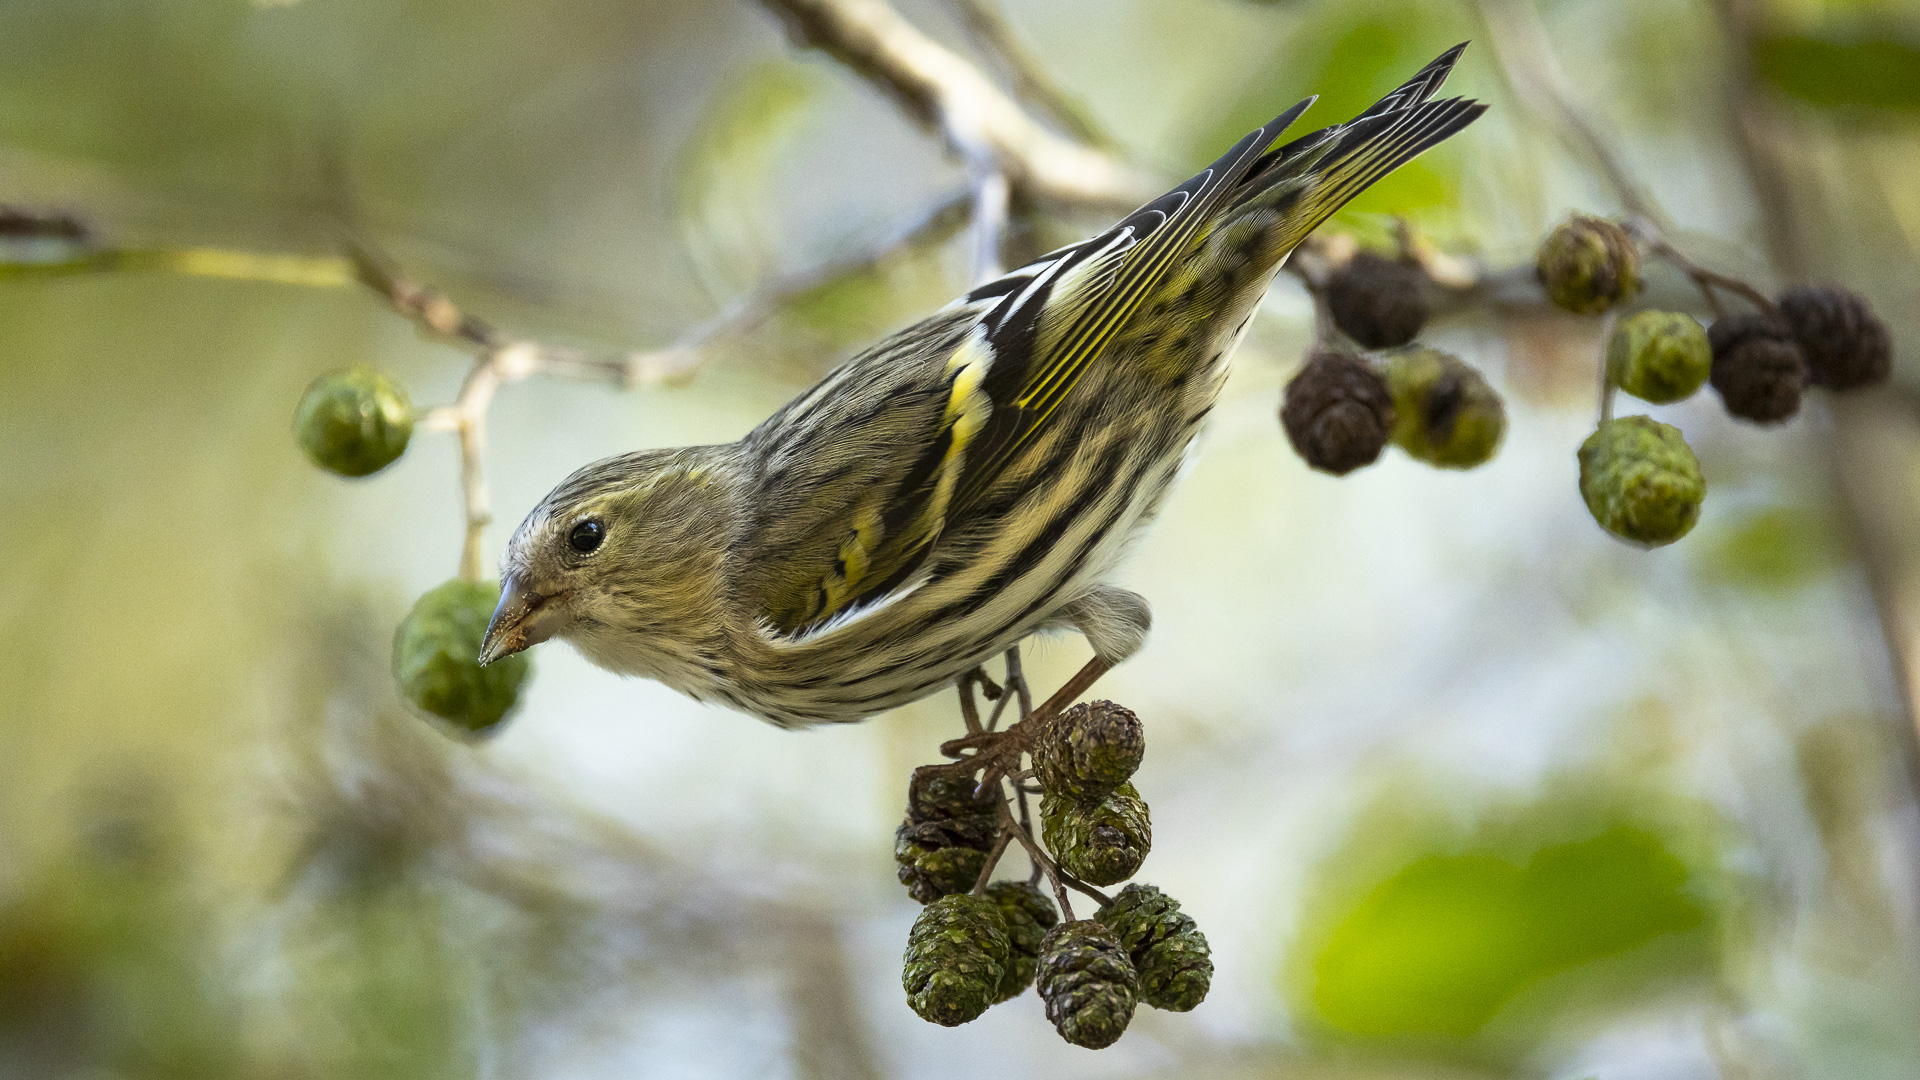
[(1456, 784)]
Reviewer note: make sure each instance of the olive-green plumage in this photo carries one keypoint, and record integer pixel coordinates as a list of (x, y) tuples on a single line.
[(971, 480)]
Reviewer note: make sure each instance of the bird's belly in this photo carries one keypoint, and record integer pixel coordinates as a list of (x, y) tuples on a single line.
[(985, 595)]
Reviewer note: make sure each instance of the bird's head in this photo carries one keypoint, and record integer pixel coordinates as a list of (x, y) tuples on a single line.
[(623, 559)]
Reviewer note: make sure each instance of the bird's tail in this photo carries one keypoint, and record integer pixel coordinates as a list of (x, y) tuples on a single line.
[(1308, 179)]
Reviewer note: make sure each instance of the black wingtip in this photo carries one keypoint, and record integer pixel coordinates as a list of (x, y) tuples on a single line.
[(1279, 124)]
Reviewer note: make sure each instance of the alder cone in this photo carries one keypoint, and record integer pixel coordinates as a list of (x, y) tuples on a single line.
[(1170, 955), (1445, 412), (1659, 356), (935, 860), (949, 797), (1588, 265), (436, 657), (1337, 412), (1029, 915), (1641, 481), (956, 958), (353, 423), (941, 848), (1087, 982), (1102, 842), (1758, 368), (1379, 302), (1845, 343), (1089, 750)]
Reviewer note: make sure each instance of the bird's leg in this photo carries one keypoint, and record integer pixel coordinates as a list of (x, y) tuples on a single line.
[(1017, 685), (989, 689), (970, 712), (998, 753)]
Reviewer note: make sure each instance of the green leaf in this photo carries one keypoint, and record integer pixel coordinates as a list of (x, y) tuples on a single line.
[(1443, 944), (1776, 547), (1350, 54), (1875, 68)]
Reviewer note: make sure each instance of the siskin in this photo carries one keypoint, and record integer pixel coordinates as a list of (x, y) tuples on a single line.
[(971, 480)]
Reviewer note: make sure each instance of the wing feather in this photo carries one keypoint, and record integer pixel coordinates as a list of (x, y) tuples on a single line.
[(899, 446)]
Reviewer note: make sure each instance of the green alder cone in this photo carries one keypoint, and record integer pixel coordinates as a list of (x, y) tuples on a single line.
[(1445, 412), (1641, 480), (436, 655), (956, 959), (1169, 953), (1588, 264), (942, 846), (1029, 916), (1090, 750), (353, 423), (934, 861), (1659, 356), (1087, 982), (949, 797), (1101, 843)]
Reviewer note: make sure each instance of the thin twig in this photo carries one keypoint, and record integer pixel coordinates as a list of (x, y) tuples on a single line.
[(1759, 149), (1705, 279), (1026, 825), (1046, 865), (1606, 371), (993, 855), (990, 198), (316, 271), (1016, 688), (1024, 72), (1017, 678), (1525, 56), (943, 92), (1082, 886)]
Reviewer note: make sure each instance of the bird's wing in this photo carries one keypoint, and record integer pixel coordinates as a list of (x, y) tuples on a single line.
[(915, 431), (899, 446)]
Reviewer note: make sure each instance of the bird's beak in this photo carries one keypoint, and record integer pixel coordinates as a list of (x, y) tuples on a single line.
[(521, 620)]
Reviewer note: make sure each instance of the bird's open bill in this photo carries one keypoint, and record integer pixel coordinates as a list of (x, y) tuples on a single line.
[(521, 620)]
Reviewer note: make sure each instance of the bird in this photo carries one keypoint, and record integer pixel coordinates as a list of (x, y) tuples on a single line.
[(966, 482)]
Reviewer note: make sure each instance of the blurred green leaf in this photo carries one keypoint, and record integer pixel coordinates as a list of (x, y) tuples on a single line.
[(1440, 946), (1870, 68), (1774, 547), (1351, 54), (723, 187)]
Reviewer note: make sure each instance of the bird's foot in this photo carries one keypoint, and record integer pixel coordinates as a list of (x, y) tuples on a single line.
[(996, 754)]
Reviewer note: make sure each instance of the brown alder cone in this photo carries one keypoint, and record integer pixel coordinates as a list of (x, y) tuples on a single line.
[(1845, 343), (1758, 369), (1337, 412), (1378, 302)]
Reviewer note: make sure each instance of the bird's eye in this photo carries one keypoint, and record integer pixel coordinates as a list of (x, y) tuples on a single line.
[(586, 536)]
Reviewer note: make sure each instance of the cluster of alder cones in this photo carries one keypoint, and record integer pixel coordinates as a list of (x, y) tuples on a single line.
[(980, 942), (1639, 478)]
